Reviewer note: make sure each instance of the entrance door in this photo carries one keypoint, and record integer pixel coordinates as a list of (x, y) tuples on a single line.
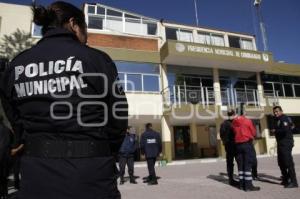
[(182, 142)]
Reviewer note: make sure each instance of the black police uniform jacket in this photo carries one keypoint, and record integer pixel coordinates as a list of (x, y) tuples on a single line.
[(128, 146), (226, 132), (151, 144), (61, 89), (283, 130)]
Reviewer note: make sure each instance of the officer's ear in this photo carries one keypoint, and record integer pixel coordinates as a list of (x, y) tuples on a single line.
[(79, 31)]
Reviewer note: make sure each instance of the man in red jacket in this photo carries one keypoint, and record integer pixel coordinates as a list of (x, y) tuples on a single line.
[(244, 133)]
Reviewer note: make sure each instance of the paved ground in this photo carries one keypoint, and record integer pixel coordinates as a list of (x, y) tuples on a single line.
[(206, 179)]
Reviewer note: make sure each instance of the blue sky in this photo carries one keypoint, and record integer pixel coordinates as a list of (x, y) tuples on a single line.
[(281, 18)]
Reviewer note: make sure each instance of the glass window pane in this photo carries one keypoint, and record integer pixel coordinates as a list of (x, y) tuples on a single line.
[(217, 40), (297, 90), (91, 9), (114, 13), (288, 90), (131, 16), (171, 33), (268, 89), (37, 30), (247, 44), (184, 35), (207, 82), (151, 83), (134, 82), (203, 38), (151, 28), (100, 10), (95, 22), (278, 89)]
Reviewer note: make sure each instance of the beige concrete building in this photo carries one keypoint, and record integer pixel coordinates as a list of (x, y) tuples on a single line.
[(183, 78)]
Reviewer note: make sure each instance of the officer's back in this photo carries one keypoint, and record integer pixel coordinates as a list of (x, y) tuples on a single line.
[(151, 143)]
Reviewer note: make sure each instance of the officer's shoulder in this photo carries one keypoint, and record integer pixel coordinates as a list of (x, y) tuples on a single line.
[(285, 118), (99, 54), (20, 55)]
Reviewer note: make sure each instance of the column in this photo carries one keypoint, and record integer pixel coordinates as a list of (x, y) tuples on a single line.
[(217, 87), (260, 91), (164, 84), (166, 138), (194, 140)]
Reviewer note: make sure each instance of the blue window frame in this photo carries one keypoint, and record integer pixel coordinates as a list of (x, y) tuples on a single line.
[(143, 77)]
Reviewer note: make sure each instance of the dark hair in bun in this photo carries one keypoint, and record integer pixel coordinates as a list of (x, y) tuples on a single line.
[(56, 15), (40, 15)]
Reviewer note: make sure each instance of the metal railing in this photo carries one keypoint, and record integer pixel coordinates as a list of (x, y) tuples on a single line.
[(272, 97), (234, 97), (179, 94)]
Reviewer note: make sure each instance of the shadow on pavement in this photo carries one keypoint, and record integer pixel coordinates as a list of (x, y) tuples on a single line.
[(221, 178), (262, 177)]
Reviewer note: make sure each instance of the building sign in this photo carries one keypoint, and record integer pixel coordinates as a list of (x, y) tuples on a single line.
[(223, 52)]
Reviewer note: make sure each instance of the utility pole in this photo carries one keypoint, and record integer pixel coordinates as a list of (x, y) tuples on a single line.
[(261, 24), (196, 12)]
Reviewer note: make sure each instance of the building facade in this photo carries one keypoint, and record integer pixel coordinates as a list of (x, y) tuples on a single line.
[(183, 79)]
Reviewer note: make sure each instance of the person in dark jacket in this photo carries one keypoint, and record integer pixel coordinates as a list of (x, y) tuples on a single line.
[(151, 147), (244, 133), (126, 156), (5, 146), (66, 98), (285, 142), (227, 136)]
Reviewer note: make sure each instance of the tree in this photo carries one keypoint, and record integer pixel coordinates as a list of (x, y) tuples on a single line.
[(13, 44)]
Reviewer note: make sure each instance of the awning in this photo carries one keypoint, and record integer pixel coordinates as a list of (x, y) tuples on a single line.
[(284, 69), (199, 55)]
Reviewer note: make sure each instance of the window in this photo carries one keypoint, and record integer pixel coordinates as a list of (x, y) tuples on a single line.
[(139, 76), (103, 18), (184, 35), (288, 90), (278, 89), (100, 10), (151, 83), (203, 38), (297, 90), (36, 30), (180, 35), (217, 40), (134, 82), (247, 44), (95, 22), (234, 42), (91, 9), (114, 13), (149, 27), (171, 33)]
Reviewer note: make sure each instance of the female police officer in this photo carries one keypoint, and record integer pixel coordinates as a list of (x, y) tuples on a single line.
[(62, 93)]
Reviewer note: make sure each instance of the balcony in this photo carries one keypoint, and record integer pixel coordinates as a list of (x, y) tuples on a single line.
[(234, 97), (183, 94), (200, 55)]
